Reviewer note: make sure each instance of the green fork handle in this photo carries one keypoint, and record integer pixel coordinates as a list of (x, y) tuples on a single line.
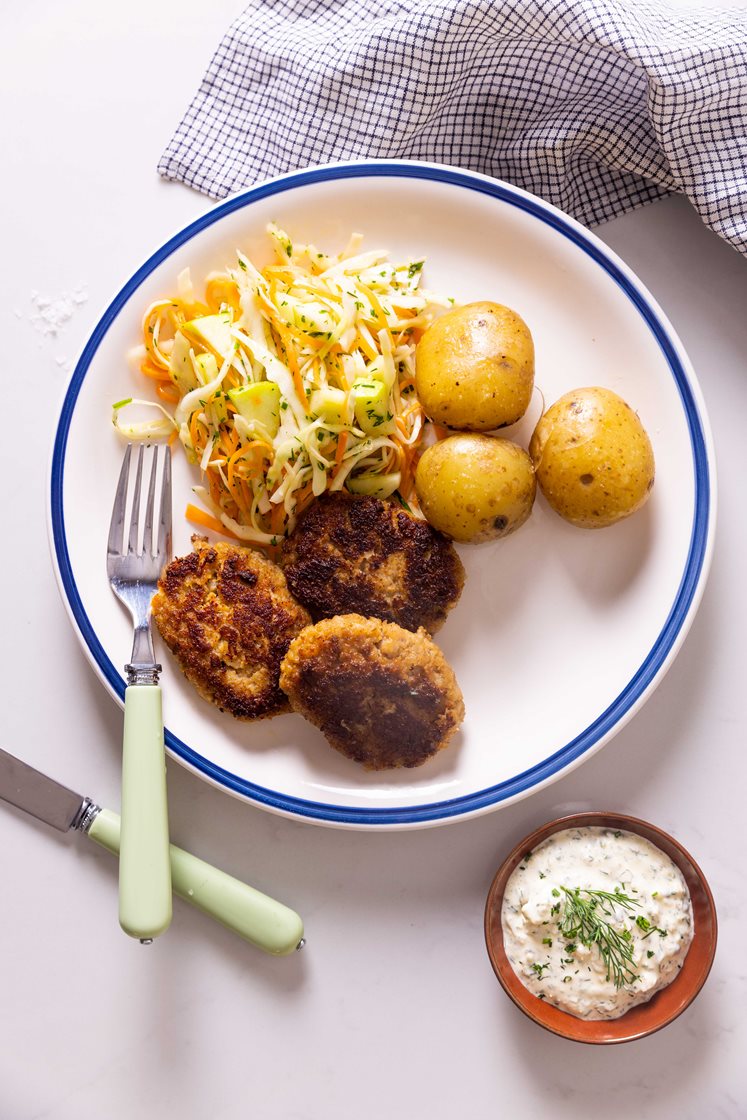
[(144, 864), (265, 923)]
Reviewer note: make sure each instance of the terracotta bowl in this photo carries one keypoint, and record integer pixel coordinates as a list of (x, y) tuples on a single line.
[(646, 1018)]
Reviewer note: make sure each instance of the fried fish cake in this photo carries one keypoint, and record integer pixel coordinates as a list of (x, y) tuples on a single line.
[(383, 696), (226, 614), (361, 555)]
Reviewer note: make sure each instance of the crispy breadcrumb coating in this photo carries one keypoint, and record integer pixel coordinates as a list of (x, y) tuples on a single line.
[(361, 555), (382, 695), (226, 614)]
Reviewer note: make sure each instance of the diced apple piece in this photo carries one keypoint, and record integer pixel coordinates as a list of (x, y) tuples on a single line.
[(377, 371), (207, 367), (330, 404), (213, 331), (372, 406), (259, 404), (308, 315)]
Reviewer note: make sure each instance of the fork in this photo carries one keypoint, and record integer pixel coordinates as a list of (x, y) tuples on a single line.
[(133, 568)]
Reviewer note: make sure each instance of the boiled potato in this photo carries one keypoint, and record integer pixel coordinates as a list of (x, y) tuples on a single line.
[(593, 458), (474, 368), (475, 487)]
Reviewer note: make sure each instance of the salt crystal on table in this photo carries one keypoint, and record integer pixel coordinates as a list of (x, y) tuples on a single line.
[(53, 312)]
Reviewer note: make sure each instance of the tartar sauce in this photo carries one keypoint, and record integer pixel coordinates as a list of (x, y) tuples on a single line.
[(596, 921)]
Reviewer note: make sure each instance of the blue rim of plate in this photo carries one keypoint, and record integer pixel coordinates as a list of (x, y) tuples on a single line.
[(622, 705)]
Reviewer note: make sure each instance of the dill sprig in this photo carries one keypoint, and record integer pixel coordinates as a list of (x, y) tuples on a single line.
[(584, 918)]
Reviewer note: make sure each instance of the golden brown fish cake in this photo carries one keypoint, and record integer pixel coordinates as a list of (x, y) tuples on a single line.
[(382, 695), (226, 614), (361, 555)]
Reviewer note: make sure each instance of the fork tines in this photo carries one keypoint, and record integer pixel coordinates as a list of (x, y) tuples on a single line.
[(115, 544)]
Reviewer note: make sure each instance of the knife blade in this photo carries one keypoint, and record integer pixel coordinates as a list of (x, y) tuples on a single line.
[(261, 920)]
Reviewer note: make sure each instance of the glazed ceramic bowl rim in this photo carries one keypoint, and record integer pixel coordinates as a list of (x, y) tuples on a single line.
[(553, 1019)]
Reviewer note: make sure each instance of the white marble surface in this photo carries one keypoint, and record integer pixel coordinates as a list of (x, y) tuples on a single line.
[(392, 1008)]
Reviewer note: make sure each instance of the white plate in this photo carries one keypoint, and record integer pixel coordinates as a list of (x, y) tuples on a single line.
[(561, 633)]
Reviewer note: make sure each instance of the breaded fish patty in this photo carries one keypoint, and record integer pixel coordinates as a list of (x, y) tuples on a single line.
[(226, 614), (351, 555), (381, 695)]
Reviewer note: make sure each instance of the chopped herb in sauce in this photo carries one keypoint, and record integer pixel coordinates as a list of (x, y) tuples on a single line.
[(600, 905)]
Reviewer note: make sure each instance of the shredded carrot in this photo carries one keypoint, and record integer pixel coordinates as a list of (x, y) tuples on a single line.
[(368, 349), (229, 440), (243, 502), (287, 343), (376, 307), (220, 290), (232, 380), (236, 472), (279, 272), (404, 461), (406, 486), (335, 352), (168, 392), (164, 313), (247, 495), (156, 373), (257, 451), (304, 498), (342, 442), (277, 516), (196, 433), (215, 483), (198, 516)]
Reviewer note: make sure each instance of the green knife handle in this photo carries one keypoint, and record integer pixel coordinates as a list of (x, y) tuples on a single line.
[(265, 923), (144, 867)]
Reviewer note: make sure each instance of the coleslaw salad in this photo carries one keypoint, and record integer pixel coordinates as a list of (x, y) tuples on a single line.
[(287, 381)]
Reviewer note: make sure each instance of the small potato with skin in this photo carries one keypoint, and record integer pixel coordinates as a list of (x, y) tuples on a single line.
[(474, 487), (593, 459), (474, 368)]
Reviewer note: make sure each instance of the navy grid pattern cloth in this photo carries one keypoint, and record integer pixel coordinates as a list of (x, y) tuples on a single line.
[(597, 106)]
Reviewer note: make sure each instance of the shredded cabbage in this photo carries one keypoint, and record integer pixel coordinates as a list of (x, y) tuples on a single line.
[(159, 428), (336, 335)]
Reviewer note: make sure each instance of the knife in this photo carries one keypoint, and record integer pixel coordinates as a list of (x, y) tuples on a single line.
[(261, 920)]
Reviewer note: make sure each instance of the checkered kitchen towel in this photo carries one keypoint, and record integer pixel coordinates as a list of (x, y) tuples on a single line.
[(596, 105)]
